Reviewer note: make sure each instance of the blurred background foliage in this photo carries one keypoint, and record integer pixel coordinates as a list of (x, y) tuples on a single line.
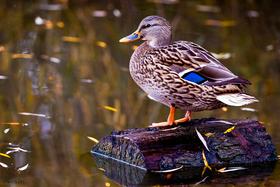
[(64, 77)]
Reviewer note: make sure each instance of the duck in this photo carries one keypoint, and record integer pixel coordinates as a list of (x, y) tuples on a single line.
[(181, 74)]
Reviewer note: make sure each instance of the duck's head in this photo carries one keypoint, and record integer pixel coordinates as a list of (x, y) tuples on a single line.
[(153, 29)]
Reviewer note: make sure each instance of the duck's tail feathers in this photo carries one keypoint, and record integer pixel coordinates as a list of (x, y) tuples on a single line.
[(236, 99)]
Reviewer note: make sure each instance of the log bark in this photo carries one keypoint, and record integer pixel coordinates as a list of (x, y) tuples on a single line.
[(230, 143)]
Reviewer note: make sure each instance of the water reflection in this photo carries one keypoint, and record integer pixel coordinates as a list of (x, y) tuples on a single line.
[(131, 176), (62, 60)]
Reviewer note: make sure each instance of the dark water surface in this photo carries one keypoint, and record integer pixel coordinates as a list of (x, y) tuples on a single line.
[(64, 77)]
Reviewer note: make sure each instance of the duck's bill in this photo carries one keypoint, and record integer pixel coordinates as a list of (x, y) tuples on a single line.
[(130, 38)]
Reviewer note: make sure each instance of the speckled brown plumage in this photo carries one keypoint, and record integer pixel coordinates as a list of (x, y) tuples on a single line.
[(155, 76)]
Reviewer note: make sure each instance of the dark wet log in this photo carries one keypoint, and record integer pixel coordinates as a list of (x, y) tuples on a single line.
[(168, 148)]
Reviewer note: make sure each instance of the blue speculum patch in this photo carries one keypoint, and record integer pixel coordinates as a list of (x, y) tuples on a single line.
[(194, 77)]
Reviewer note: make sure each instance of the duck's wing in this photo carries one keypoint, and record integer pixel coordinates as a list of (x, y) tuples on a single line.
[(185, 57)]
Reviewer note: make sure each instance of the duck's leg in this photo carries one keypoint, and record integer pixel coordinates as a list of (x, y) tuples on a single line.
[(170, 119), (184, 119)]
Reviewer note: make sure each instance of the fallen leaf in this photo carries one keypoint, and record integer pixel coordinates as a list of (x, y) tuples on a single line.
[(208, 8), (10, 123), (110, 108), (23, 167), (220, 23), (101, 44), (55, 60), (49, 24), (253, 14), (52, 6), (6, 130), (2, 77), (22, 55), (209, 134), (60, 24), (99, 13), (102, 169), (202, 181), (205, 160), (33, 114), (202, 139), (222, 56), (93, 139), (229, 129), (5, 155), (3, 165), (248, 109), (39, 21), (268, 47), (2, 48), (230, 169), (71, 39), (16, 149), (221, 121), (117, 13), (87, 81), (168, 170)]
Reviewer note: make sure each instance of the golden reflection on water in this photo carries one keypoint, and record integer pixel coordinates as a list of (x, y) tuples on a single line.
[(64, 77)]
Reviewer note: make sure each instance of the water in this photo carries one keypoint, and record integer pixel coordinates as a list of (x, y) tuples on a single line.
[(64, 77)]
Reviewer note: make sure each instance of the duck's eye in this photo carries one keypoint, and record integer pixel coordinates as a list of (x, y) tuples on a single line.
[(146, 26)]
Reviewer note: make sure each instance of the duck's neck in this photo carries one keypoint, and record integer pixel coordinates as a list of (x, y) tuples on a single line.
[(140, 51), (162, 39)]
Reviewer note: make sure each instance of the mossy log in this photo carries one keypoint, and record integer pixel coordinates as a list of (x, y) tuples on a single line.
[(230, 143)]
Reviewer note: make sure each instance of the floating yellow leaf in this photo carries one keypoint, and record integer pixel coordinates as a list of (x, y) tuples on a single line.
[(107, 184), (102, 169), (49, 24), (93, 139), (60, 24), (101, 44), (205, 160), (22, 55), (5, 155), (220, 23), (208, 134), (2, 48), (10, 123), (229, 129), (110, 108), (71, 39)]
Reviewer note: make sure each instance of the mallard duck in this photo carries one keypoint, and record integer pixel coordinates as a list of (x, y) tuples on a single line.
[(182, 74)]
